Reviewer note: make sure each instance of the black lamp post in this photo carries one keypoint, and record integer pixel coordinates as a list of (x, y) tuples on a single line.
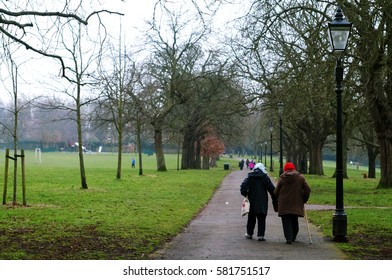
[(265, 153), (339, 31), (280, 110), (271, 128), (261, 152)]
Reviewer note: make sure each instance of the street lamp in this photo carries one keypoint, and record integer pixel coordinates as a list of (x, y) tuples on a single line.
[(271, 128), (261, 152), (280, 110), (339, 31), (265, 153)]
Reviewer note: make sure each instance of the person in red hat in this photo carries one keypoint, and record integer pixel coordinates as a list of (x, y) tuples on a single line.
[(292, 192)]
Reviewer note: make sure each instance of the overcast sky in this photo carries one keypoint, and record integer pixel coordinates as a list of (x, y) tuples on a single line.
[(136, 12)]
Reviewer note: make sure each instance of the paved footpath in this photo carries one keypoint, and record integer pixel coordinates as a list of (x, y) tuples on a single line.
[(217, 233)]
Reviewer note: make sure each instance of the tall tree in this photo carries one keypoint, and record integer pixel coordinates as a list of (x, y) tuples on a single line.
[(372, 22), (41, 32), (174, 37), (11, 123), (280, 49), (371, 57), (82, 53), (118, 85), (216, 104), (34, 23)]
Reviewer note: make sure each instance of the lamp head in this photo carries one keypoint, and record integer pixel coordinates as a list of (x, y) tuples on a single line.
[(339, 31), (271, 127), (280, 108)]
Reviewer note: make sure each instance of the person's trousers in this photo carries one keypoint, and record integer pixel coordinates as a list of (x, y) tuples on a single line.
[(290, 226), (250, 226)]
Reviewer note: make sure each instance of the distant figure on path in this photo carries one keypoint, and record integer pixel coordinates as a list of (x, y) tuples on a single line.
[(251, 165), (292, 192), (241, 164), (256, 186)]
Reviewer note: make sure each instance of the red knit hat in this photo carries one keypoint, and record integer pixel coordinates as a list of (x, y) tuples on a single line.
[(288, 166)]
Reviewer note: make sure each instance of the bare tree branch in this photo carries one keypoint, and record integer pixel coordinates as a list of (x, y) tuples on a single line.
[(52, 14), (71, 16)]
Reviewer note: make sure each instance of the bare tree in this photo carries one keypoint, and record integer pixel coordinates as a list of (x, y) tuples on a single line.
[(214, 107), (10, 124), (372, 23), (118, 89), (25, 24), (368, 77), (174, 35), (285, 51), (82, 53)]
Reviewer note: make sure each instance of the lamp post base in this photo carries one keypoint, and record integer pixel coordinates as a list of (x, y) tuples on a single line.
[(339, 231)]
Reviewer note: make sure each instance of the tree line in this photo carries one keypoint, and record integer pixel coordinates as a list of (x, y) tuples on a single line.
[(183, 85), (287, 54)]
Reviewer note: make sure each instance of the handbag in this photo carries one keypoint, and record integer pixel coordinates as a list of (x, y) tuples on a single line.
[(245, 207)]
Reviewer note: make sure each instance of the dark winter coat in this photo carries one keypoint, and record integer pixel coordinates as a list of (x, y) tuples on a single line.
[(292, 191), (256, 186)]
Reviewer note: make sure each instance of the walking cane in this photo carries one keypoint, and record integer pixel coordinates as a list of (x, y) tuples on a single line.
[(307, 224)]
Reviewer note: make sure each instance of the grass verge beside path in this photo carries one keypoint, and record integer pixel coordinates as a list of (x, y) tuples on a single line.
[(132, 217), (112, 219), (368, 210)]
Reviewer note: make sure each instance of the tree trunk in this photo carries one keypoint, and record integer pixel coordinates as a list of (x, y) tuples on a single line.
[(385, 158), (198, 155), (373, 49), (188, 150), (370, 140), (316, 158), (161, 165), (80, 139), (178, 151), (384, 105), (185, 156), (119, 154), (382, 117), (372, 155), (139, 147), (14, 202), (15, 132), (206, 163), (81, 158)]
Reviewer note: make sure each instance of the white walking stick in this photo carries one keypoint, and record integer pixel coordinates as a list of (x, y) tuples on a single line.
[(307, 224)]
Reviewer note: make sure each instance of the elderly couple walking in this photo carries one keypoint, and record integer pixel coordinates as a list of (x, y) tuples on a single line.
[(288, 199)]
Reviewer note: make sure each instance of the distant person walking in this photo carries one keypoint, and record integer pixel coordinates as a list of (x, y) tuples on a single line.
[(251, 164), (241, 164), (292, 192), (256, 186), (133, 162)]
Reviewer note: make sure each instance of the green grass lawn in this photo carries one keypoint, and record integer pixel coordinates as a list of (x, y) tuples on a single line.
[(368, 210), (112, 219), (132, 217)]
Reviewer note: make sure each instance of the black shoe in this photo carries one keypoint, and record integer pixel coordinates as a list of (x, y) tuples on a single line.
[(288, 242), (260, 238)]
